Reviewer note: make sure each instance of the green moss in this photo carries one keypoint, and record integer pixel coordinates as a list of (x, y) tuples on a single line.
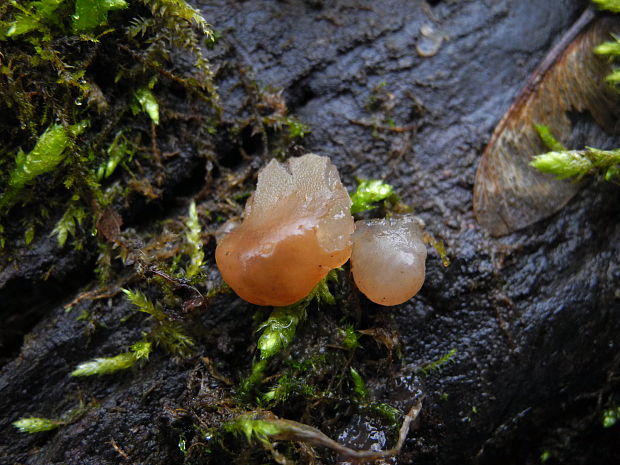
[(47, 154), (39, 424), (545, 456), (563, 163), (279, 329), (37, 16), (547, 137), (48, 91), (278, 332), (119, 151), (182, 444), (611, 49), (108, 365), (296, 380), (51, 17), (321, 293), (287, 387), (391, 414), (29, 234), (435, 365), (172, 336), (92, 14), (579, 163), (350, 338), (609, 5), (359, 386), (35, 424), (611, 417), (193, 237), (439, 247), (68, 224), (148, 103), (368, 193), (248, 386), (296, 129), (166, 333), (253, 428), (144, 304)]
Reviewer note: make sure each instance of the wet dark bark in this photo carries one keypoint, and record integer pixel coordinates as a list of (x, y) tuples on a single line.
[(533, 316)]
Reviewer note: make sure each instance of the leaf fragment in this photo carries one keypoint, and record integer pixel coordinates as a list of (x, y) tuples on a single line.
[(90, 14), (508, 193)]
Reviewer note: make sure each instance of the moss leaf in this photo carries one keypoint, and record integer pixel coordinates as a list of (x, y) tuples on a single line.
[(148, 103), (48, 152), (547, 138), (193, 238), (609, 5), (90, 14), (368, 192), (279, 329), (35, 424), (34, 15), (105, 365)]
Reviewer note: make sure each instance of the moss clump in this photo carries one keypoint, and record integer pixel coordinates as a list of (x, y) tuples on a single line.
[(165, 332), (580, 163), (193, 238), (49, 151), (368, 193), (253, 428), (73, 73)]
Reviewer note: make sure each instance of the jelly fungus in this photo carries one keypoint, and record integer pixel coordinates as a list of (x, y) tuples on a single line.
[(297, 227), (388, 259)]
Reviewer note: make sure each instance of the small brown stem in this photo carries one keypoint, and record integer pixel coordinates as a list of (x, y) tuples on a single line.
[(294, 431)]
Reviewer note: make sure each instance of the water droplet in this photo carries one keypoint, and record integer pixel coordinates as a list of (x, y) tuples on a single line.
[(79, 101), (430, 40)]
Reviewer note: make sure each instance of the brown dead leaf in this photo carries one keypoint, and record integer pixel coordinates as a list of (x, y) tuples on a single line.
[(109, 225), (508, 193)]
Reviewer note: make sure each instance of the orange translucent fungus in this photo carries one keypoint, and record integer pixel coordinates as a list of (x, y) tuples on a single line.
[(297, 226), (388, 259)]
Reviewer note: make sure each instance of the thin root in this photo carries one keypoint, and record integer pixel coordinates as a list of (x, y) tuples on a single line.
[(294, 431)]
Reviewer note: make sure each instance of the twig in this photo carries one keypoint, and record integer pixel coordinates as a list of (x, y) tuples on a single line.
[(294, 431), (383, 127), (118, 449)]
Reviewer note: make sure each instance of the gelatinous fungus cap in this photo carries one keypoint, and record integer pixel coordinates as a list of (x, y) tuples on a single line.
[(297, 227), (388, 259)]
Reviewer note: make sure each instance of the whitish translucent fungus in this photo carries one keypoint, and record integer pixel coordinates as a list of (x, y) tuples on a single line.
[(297, 227), (388, 259)]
